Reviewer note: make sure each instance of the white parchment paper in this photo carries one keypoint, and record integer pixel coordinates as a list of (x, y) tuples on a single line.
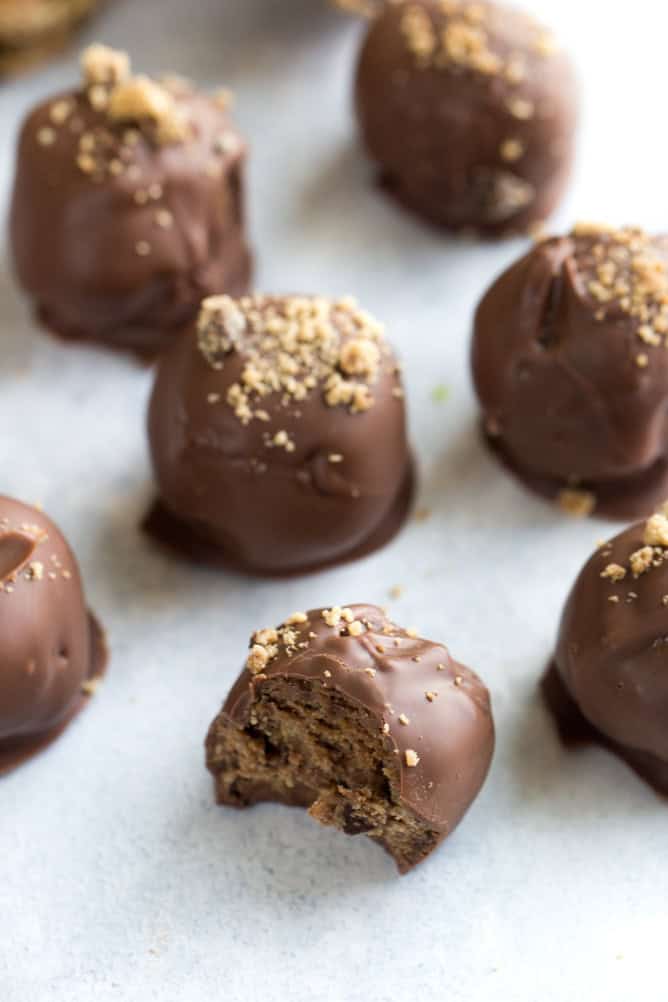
[(119, 877)]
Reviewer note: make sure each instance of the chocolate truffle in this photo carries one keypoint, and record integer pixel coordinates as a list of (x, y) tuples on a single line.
[(52, 651), (127, 206), (374, 730), (469, 110), (612, 652), (32, 30), (571, 369), (277, 431)]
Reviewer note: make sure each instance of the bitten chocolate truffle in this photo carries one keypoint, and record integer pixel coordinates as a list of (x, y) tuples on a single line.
[(277, 431), (571, 369), (612, 652), (371, 728), (469, 109), (52, 651), (128, 206)]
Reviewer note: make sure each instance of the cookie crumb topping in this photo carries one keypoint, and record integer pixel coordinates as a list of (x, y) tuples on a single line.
[(576, 502), (653, 553), (625, 271), (463, 35), (292, 347), (111, 88)]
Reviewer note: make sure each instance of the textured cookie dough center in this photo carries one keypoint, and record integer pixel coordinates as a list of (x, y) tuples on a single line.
[(311, 746)]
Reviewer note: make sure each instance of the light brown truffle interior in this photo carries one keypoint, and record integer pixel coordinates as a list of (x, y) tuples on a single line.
[(311, 746)]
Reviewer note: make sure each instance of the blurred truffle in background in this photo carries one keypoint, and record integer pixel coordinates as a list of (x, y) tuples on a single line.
[(469, 111), (33, 30)]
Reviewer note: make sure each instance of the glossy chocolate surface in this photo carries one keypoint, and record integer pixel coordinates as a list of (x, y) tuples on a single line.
[(118, 230), (470, 114), (427, 705), (311, 467), (51, 649), (571, 369), (612, 649)]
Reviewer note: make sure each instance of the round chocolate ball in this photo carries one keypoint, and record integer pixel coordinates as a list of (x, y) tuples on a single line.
[(571, 368), (613, 646), (277, 431), (469, 109), (127, 206), (373, 729), (51, 649)]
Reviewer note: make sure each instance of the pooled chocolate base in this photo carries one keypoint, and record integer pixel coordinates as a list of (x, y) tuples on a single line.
[(575, 730), (15, 752), (194, 542), (623, 499)]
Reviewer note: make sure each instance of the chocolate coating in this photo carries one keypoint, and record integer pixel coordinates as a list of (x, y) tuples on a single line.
[(139, 230), (50, 647), (469, 114), (311, 469), (612, 650), (386, 672), (571, 370)]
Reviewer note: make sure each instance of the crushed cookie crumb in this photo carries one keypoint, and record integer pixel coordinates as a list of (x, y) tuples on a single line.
[(139, 99), (641, 561), (355, 629), (293, 346), (35, 571), (520, 107), (371, 672), (615, 572), (91, 685), (656, 530), (164, 218), (458, 679), (575, 502), (403, 719), (60, 111), (46, 136), (258, 659), (332, 617), (103, 65), (411, 758), (396, 591), (430, 696), (512, 150), (296, 618)]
